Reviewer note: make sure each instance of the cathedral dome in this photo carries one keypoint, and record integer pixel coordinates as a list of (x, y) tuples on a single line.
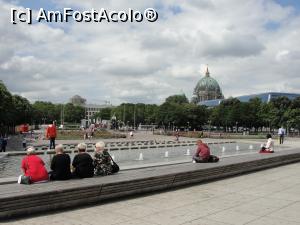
[(208, 84), (207, 89)]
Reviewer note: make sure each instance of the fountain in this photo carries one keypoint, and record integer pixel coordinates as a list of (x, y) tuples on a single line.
[(223, 149), (251, 147), (9, 165), (237, 148), (166, 154), (188, 152), (141, 157)]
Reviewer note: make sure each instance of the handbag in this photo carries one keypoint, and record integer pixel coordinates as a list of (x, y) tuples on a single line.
[(114, 165), (213, 158), (24, 179)]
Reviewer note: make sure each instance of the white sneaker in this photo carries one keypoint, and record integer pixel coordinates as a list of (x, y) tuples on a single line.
[(19, 179)]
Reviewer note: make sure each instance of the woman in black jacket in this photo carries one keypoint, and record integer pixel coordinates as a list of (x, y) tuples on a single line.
[(60, 165), (83, 163)]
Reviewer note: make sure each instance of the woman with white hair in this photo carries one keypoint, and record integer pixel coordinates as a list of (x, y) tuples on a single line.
[(102, 160), (83, 163), (60, 164), (33, 168)]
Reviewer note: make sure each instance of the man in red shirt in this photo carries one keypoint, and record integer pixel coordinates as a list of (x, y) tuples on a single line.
[(51, 134), (203, 152)]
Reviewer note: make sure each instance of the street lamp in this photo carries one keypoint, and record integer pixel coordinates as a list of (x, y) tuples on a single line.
[(188, 126), (236, 127)]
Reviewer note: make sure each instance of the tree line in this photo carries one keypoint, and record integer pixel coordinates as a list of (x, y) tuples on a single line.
[(175, 113), (256, 115), (16, 110)]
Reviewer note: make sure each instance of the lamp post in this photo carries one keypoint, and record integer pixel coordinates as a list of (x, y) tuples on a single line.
[(188, 127), (134, 117), (209, 129), (236, 126)]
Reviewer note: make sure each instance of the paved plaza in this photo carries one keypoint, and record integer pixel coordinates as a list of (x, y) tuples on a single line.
[(267, 197)]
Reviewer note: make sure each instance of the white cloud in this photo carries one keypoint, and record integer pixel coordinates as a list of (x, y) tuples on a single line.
[(147, 62)]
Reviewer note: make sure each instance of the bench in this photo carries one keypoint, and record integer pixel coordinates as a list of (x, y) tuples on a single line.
[(17, 200)]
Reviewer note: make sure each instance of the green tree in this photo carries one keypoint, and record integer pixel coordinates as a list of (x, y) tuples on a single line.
[(104, 114), (22, 110), (178, 99), (45, 112), (6, 108), (280, 105), (73, 113)]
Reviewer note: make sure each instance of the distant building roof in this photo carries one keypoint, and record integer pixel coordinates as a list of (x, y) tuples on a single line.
[(265, 97)]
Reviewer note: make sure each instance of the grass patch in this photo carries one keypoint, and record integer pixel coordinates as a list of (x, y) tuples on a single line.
[(77, 134)]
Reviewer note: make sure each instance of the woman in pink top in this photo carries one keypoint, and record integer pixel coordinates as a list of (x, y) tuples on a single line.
[(34, 167)]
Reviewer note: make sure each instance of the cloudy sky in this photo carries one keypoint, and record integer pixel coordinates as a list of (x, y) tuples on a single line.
[(250, 46)]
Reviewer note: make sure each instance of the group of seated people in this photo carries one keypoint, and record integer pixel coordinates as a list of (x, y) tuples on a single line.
[(83, 165)]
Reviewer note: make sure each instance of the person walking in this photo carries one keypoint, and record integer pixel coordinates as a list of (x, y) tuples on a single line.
[(177, 135), (3, 143), (51, 134), (281, 134)]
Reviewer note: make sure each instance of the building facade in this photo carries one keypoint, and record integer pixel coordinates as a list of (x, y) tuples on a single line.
[(90, 109), (264, 97)]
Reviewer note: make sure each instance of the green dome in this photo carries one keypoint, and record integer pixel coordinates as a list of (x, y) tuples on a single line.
[(208, 84), (207, 89)]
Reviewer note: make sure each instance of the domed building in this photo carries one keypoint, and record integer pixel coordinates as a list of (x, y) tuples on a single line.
[(207, 89)]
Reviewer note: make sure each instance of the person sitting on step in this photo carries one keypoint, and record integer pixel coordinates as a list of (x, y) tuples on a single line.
[(269, 146), (203, 152), (102, 160), (33, 168), (60, 165), (83, 163)]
